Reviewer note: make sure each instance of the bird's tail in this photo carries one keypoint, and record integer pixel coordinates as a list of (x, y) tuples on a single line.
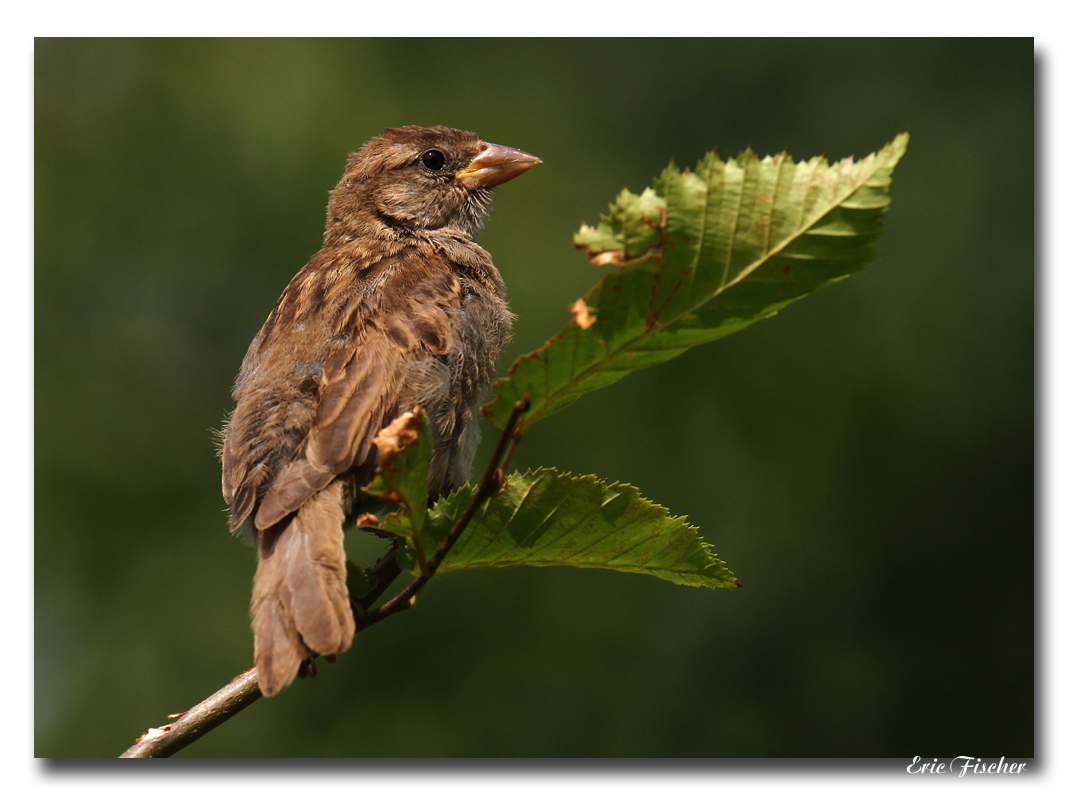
[(301, 606)]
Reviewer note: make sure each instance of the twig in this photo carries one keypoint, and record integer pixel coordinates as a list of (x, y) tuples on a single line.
[(245, 689), (383, 574), (200, 720), (488, 487)]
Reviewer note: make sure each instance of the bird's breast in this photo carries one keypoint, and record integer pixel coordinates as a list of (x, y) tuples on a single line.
[(452, 387)]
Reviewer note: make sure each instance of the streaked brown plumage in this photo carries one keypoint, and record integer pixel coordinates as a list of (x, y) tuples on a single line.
[(399, 308)]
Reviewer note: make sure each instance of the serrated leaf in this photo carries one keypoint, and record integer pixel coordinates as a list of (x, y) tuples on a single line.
[(546, 518), (704, 254), (633, 226)]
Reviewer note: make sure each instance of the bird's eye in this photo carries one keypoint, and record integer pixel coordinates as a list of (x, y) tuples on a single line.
[(433, 159)]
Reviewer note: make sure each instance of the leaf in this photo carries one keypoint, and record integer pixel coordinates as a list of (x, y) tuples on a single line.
[(402, 475), (546, 518), (704, 254), (357, 580)]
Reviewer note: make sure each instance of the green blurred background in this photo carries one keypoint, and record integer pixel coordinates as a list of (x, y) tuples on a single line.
[(863, 461)]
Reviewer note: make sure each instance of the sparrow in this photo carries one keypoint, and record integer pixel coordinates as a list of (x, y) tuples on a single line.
[(399, 308)]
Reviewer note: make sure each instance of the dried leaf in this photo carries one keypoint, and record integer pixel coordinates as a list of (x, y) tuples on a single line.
[(397, 436), (581, 314), (615, 257)]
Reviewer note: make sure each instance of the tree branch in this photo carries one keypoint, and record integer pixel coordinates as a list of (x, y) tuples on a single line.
[(245, 689), (200, 720)]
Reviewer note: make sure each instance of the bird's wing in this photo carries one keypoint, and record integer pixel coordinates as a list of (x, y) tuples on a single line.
[(362, 384)]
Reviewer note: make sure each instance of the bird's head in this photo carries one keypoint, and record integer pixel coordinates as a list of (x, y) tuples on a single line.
[(413, 180)]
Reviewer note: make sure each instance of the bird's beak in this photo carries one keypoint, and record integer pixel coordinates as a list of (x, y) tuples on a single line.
[(495, 165)]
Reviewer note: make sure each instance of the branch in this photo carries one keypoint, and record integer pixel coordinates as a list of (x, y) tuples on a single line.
[(244, 690), (200, 720)]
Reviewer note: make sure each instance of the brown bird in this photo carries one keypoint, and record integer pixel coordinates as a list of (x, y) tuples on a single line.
[(399, 308)]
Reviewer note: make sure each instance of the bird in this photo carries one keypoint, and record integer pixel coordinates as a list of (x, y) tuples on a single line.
[(400, 308)]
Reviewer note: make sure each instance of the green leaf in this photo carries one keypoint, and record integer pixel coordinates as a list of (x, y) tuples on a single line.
[(634, 225), (546, 518), (704, 254), (357, 580), (402, 475)]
